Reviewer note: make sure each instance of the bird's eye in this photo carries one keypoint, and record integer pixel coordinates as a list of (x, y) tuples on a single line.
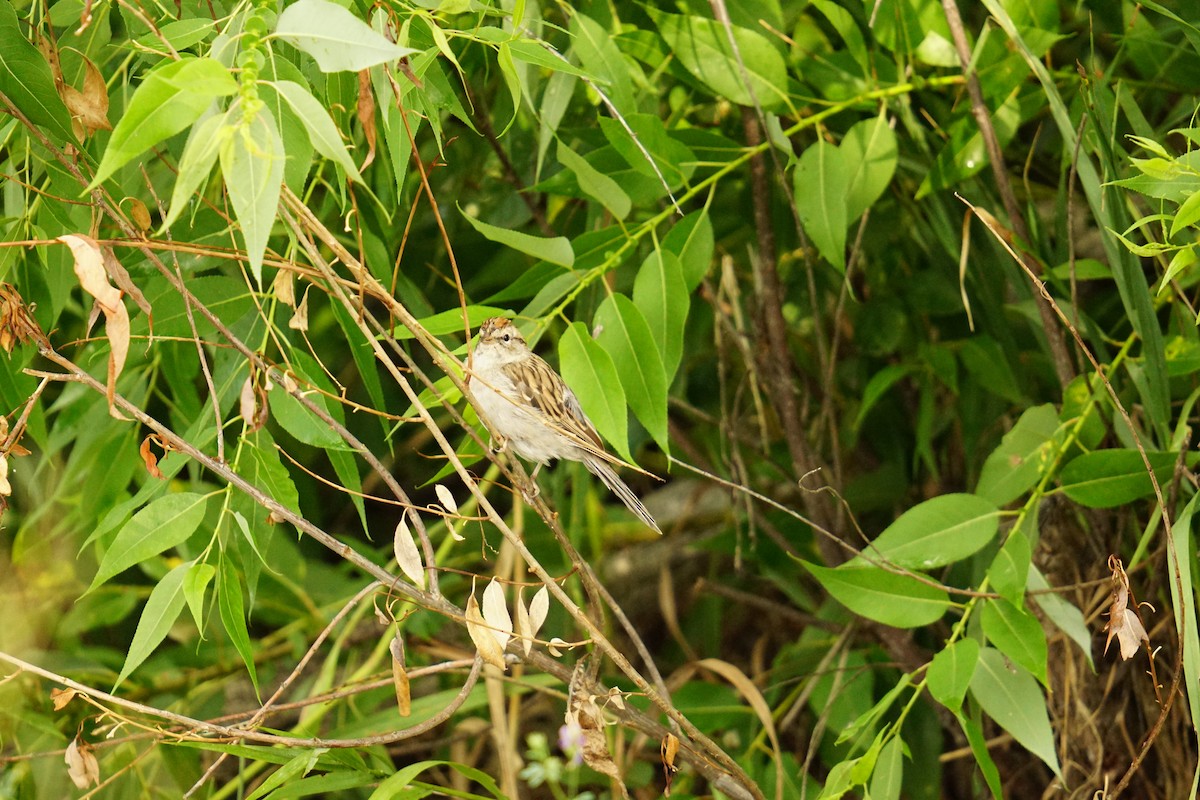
[(507, 337)]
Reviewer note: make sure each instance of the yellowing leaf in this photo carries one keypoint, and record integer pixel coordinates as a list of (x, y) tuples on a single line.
[(408, 558), (495, 613), (487, 645)]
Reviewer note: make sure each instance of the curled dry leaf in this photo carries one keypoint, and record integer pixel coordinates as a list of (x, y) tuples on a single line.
[(284, 287), (82, 765), (149, 459), (489, 649), (89, 268), (555, 644), (60, 697), (366, 115), (408, 558), (17, 325), (669, 749), (299, 320), (89, 108), (448, 502), (521, 624), (529, 622), (1123, 621), (495, 613), (400, 677), (120, 276), (585, 716), (246, 401), (139, 214)]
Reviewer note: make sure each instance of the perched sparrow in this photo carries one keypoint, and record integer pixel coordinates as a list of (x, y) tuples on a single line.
[(527, 404)]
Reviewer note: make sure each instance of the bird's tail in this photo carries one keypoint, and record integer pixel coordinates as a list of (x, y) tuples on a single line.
[(617, 486)]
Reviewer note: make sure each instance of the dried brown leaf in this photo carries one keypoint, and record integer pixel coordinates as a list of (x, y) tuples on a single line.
[(82, 765), (408, 558), (299, 320), (668, 750), (489, 649), (149, 459), (521, 626), (400, 677), (61, 697), (89, 108), (120, 276), (366, 115), (284, 287), (585, 718), (89, 268), (495, 613), (139, 214)]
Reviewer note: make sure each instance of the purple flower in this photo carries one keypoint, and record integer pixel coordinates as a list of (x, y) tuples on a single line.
[(571, 741)]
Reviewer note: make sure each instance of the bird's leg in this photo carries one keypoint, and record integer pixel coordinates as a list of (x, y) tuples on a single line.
[(497, 444), (533, 493)]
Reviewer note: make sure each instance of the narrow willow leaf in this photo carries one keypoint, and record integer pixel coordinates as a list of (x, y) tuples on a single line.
[(821, 178), (163, 524), (195, 586), (937, 532), (321, 131), (1017, 634), (628, 339), (400, 677), (590, 372), (888, 776), (233, 615), (335, 38), (979, 748), (485, 642), (601, 57), (162, 609), (1010, 695), (897, 600), (408, 558), (400, 784), (171, 98), (556, 250), (252, 161), (26, 80), (661, 293), (595, 183)]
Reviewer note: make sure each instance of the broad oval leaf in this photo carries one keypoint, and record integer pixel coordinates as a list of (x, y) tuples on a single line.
[(628, 339), (595, 183), (937, 532), (950, 673), (691, 240), (252, 161), (161, 525), (335, 38), (590, 372), (1010, 695), (1066, 616), (556, 250), (661, 294), (702, 46), (821, 179), (901, 601), (162, 609), (1111, 478), (172, 97), (1010, 568), (1016, 633), (1016, 465), (869, 149)]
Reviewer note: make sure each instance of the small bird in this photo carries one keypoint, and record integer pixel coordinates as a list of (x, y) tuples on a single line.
[(528, 405)]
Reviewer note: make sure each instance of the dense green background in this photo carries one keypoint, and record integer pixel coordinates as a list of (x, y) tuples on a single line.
[(913, 348)]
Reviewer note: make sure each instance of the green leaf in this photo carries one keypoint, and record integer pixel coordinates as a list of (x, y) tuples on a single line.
[(321, 131), (531, 52), (556, 250), (1017, 464), (878, 386), (869, 149), (628, 339), (1010, 695), (161, 611), (26, 80), (595, 183), (901, 601), (338, 40), (821, 178), (298, 421), (393, 788), (662, 296), (252, 161), (298, 767), (702, 46), (1111, 478), (233, 615), (937, 532), (979, 748), (1010, 568), (602, 59), (691, 239), (1066, 616), (589, 371), (171, 98), (199, 154), (888, 776), (195, 584), (950, 673), (1016, 634), (161, 525)]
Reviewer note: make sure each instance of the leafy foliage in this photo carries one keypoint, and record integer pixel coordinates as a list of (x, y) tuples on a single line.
[(912, 344)]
